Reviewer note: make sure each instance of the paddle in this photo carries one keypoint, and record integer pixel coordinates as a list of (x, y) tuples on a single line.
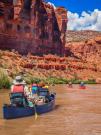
[(32, 104), (36, 115)]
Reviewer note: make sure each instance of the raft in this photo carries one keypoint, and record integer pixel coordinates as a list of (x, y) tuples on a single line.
[(82, 87), (12, 112), (70, 86)]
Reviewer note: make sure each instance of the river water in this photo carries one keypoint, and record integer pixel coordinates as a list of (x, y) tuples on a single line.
[(77, 112)]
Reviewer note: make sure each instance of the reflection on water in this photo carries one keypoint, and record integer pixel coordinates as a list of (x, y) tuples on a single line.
[(77, 112)]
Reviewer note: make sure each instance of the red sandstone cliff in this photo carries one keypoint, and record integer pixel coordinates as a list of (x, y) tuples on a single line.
[(89, 49), (41, 29), (49, 66), (32, 26), (85, 46)]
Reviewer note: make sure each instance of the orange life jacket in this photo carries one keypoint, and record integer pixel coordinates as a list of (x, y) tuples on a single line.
[(18, 89)]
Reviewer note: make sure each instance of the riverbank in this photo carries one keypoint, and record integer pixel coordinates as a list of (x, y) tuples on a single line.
[(5, 81), (49, 67)]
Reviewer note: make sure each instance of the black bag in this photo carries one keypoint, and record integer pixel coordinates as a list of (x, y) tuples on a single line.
[(18, 99)]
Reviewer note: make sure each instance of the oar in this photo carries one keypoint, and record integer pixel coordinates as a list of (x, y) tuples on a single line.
[(36, 115)]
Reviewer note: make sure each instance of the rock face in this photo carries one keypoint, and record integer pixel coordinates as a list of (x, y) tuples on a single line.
[(84, 45), (89, 50), (34, 27), (50, 66), (83, 35)]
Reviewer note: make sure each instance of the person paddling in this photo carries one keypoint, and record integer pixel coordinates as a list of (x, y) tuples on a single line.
[(19, 91), (19, 86), (70, 84), (43, 91), (34, 91), (34, 88), (82, 85)]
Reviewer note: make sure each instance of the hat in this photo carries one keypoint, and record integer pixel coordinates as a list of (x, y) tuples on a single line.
[(70, 83), (18, 80), (46, 86), (82, 82)]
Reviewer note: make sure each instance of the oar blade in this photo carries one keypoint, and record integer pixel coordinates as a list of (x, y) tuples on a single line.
[(36, 116)]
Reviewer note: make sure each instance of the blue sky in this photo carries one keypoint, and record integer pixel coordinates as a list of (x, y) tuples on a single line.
[(82, 14), (78, 5)]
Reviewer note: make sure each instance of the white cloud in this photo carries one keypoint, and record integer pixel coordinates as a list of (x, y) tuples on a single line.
[(52, 5), (87, 21)]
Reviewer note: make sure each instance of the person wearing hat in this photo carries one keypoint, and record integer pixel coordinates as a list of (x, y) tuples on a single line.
[(43, 91), (82, 85), (70, 84), (19, 86), (19, 92), (34, 88), (46, 86), (43, 85)]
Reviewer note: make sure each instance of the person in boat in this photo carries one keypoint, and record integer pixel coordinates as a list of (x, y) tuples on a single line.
[(46, 86), (19, 92), (70, 84), (43, 91), (82, 84), (34, 91), (34, 88)]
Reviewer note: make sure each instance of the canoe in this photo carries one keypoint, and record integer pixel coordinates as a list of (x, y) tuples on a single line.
[(70, 86), (11, 112), (82, 87)]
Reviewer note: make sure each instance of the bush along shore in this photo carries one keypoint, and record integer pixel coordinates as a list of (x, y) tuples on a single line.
[(5, 80)]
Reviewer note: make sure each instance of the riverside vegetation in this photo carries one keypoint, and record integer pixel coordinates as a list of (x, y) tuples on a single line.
[(50, 68), (82, 62), (5, 80)]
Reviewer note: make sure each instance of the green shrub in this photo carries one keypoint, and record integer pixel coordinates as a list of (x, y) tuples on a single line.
[(36, 80), (90, 81), (31, 79), (54, 80), (75, 81), (4, 80)]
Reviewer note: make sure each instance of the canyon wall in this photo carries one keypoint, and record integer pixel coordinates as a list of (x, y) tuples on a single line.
[(32, 26), (84, 45)]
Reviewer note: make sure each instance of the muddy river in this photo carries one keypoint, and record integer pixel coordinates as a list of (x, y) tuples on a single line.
[(77, 112)]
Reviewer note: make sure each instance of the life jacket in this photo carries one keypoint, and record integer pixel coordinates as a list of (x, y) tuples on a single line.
[(34, 89), (18, 89)]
